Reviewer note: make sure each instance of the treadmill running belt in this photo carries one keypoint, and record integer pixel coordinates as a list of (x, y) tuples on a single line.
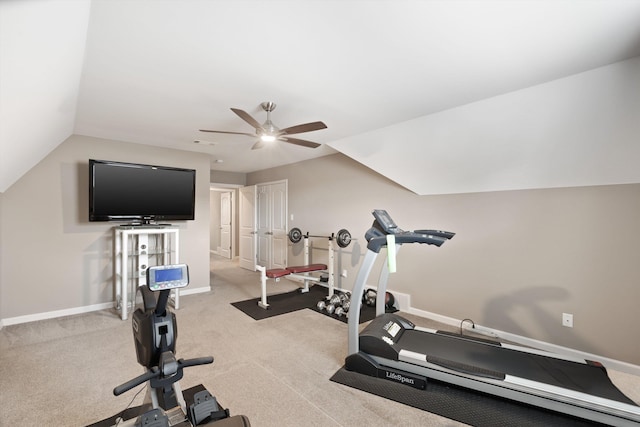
[(562, 373)]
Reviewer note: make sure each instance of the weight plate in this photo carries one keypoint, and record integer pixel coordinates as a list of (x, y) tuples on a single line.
[(295, 235), (343, 238)]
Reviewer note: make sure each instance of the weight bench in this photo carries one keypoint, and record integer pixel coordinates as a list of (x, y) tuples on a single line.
[(299, 272)]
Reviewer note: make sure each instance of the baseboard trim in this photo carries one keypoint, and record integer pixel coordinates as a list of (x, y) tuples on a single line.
[(79, 310), (192, 291), (56, 313), (617, 365)]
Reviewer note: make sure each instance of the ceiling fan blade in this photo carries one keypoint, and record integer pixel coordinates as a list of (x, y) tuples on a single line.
[(247, 118), (224, 131), (258, 144), (307, 127), (301, 142)]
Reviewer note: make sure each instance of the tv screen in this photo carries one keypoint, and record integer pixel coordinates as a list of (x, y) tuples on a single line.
[(140, 193)]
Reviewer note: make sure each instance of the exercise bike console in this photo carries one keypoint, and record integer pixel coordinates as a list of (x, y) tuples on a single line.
[(167, 277)]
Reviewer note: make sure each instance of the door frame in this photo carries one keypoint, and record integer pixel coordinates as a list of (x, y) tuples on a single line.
[(227, 214), (217, 189), (247, 231)]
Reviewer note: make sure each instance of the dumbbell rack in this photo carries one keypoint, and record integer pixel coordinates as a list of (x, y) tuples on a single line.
[(337, 304)]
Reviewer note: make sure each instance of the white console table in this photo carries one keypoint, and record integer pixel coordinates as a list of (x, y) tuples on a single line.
[(135, 249)]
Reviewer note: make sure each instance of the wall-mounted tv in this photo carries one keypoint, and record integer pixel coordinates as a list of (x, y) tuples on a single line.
[(138, 193)]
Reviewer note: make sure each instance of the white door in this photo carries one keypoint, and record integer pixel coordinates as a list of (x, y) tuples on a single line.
[(272, 225), (225, 225), (279, 239), (247, 239), (264, 226)]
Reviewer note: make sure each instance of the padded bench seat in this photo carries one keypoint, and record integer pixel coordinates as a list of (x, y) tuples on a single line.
[(277, 272), (306, 268), (280, 272)]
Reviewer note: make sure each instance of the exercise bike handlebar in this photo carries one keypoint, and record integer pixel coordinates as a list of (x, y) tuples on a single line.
[(195, 362), (140, 379), (156, 372)]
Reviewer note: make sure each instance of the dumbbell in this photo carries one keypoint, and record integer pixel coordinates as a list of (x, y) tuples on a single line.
[(343, 309), (330, 307), (335, 299)]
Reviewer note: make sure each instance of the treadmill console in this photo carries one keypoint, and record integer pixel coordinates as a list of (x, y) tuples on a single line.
[(384, 222), (161, 277)]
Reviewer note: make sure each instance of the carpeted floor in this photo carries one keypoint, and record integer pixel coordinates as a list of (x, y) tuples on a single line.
[(276, 371)]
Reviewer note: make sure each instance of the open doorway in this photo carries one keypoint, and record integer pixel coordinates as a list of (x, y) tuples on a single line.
[(223, 221)]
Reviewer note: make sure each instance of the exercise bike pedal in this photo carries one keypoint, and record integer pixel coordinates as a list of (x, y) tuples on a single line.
[(205, 409), (153, 418)]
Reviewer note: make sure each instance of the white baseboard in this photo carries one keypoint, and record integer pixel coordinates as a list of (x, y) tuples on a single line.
[(54, 314), (617, 365), (79, 310), (192, 291), (403, 301)]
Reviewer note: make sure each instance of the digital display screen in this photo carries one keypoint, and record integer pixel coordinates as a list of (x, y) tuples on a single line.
[(168, 275)]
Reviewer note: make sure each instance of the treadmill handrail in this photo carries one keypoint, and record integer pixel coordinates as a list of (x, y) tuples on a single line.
[(378, 242), (377, 239)]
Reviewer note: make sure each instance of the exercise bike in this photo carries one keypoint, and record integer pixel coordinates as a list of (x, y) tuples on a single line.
[(155, 332)]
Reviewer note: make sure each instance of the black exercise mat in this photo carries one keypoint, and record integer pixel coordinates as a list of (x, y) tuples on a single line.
[(366, 313), (282, 303), (459, 404), (294, 301)]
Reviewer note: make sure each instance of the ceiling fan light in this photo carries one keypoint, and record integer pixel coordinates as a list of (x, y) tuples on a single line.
[(267, 138)]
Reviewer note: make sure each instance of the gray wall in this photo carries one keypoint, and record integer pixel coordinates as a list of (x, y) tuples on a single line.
[(52, 257), (519, 259), (230, 178)]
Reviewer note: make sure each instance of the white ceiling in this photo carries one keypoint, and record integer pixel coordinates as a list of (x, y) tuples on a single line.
[(154, 72)]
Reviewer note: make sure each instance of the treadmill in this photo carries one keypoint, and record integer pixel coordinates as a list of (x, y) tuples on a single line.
[(395, 349)]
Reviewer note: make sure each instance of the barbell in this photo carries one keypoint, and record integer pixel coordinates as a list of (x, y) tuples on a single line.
[(342, 237)]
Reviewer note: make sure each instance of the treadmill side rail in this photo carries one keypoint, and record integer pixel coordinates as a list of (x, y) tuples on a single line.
[(364, 364), (577, 404)]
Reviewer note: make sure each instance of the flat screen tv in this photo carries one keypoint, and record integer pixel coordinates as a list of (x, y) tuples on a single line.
[(138, 193)]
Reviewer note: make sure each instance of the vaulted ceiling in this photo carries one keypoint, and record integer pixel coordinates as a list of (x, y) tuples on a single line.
[(379, 73)]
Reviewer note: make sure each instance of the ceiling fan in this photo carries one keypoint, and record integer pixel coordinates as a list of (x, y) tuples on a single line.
[(268, 132)]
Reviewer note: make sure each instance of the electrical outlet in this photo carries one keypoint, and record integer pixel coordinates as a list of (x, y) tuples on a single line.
[(567, 320)]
